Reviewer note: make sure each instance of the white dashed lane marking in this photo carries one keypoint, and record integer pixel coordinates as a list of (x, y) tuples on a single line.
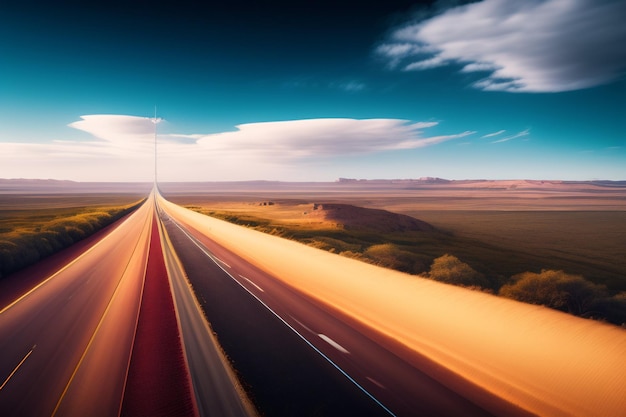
[(333, 343), (252, 283)]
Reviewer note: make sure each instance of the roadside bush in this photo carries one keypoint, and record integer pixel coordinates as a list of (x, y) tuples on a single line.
[(355, 255), (331, 245), (556, 289), (21, 246), (452, 270), (391, 256)]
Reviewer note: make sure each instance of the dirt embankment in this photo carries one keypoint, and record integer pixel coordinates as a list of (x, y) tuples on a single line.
[(375, 220)]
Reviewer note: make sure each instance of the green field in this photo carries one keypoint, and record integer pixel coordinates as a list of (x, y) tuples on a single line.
[(590, 243)]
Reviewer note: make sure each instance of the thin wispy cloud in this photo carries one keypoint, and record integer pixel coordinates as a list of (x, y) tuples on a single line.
[(490, 135), (124, 132), (522, 46), (518, 135), (320, 137), (352, 86)]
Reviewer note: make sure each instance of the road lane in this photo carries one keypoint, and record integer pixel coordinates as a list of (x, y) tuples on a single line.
[(215, 384), (97, 385), (19, 283), (60, 317)]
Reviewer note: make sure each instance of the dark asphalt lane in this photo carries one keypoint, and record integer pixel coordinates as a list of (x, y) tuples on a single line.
[(216, 388)]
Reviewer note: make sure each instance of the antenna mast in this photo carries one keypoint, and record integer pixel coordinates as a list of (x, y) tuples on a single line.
[(155, 145)]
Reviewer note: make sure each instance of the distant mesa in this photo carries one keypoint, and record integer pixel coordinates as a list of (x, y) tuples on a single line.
[(29, 181), (422, 180), (366, 219)]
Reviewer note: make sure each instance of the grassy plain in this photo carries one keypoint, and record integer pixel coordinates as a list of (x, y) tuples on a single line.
[(33, 226), (590, 243)]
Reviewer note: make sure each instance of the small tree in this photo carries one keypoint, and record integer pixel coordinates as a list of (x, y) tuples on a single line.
[(555, 289), (391, 256), (451, 270)]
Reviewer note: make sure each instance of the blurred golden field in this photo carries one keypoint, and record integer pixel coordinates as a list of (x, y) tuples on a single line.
[(35, 226)]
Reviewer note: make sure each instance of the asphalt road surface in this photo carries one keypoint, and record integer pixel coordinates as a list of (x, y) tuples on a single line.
[(217, 390)]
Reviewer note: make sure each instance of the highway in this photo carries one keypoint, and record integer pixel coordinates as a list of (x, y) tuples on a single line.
[(172, 313), (96, 331)]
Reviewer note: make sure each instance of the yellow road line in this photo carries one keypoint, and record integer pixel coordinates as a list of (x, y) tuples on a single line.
[(132, 345), (42, 283), (93, 336), (17, 367)]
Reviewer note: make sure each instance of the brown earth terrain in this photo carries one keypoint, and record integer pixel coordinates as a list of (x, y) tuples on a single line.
[(375, 220)]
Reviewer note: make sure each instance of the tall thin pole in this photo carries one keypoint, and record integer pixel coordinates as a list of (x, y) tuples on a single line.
[(155, 146)]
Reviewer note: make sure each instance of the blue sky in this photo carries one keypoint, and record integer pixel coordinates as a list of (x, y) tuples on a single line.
[(314, 91)]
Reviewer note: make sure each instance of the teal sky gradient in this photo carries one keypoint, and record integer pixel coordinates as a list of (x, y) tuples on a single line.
[(210, 69)]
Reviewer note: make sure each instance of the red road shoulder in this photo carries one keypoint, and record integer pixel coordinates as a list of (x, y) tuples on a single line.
[(158, 381)]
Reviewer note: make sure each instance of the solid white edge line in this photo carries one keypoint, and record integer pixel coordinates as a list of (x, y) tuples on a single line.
[(215, 260)]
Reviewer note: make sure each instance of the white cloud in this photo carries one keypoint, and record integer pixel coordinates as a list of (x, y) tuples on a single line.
[(524, 46), (402, 49), (490, 135), (123, 131), (479, 66), (122, 149), (517, 135), (396, 52), (437, 61), (319, 137)]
